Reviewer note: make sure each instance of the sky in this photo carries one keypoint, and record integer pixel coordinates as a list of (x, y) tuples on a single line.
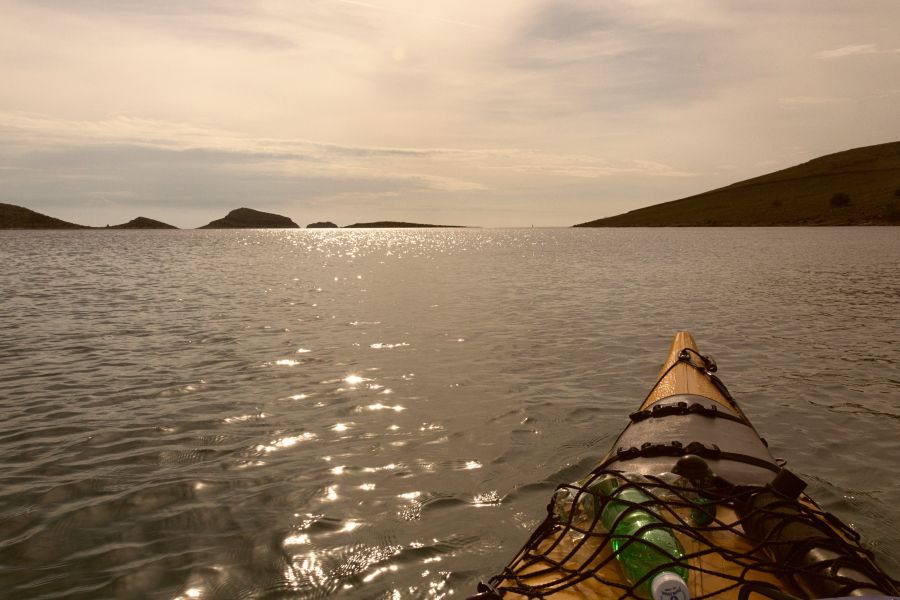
[(483, 113)]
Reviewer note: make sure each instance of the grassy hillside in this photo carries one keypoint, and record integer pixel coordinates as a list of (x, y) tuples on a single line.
[(855, 187)]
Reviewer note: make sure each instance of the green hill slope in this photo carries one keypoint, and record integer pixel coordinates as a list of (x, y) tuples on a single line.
[(855, 187)]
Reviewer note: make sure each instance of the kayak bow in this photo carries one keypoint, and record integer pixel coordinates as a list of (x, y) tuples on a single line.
[(689, 464)]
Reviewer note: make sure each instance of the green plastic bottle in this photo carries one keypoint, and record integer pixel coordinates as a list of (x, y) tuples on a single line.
[(642, 552)]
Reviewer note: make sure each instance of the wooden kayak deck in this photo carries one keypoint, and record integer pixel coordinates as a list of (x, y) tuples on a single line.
[(678, 377)]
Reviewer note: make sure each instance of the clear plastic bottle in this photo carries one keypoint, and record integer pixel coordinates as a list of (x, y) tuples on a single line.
[(563, 503), (641, 545), (576, 509), (679, 490)]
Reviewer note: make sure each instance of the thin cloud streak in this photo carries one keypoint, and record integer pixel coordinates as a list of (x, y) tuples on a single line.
[(801, 101), (408, 13), (855, 50)]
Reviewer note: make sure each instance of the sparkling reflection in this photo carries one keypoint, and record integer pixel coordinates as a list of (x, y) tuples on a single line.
[(241, 418), (491, 498), (341, 567), (299, 539), (331, 493), (351, 525), (388, 467), (378, 572), (313, 572), (380, 406), (285, 442)]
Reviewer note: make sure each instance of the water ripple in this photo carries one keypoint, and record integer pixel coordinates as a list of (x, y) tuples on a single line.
[(300, 414)]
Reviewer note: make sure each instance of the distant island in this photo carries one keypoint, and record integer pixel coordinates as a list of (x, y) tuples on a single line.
[(143, 223), (247, 218), (397, 224), (19, 217), (855, 187)]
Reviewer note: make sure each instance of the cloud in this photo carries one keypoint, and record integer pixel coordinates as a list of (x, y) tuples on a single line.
[(855, 50), (620, 56), (299, 158), (410, 13), (800, 101)]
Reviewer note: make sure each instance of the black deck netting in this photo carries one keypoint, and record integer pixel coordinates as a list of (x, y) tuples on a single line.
[(610, 534)]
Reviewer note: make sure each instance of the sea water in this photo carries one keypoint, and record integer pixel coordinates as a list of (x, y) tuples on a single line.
[(385, 413)]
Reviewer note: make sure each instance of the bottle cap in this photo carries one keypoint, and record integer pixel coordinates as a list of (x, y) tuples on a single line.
[(669, 586)]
